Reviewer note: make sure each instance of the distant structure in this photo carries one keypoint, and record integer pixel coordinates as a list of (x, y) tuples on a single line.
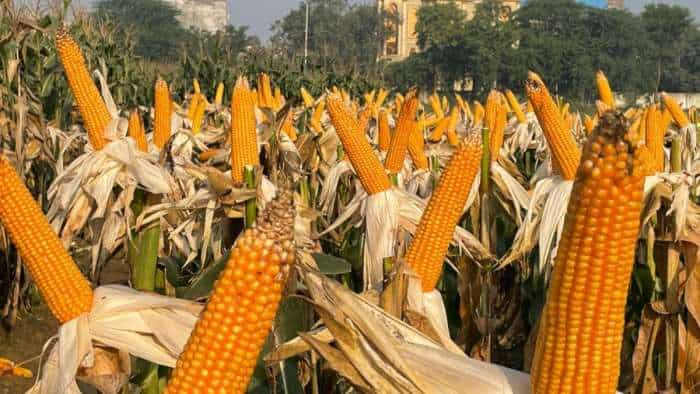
[(617, 4), (207, 15), (402, 40)]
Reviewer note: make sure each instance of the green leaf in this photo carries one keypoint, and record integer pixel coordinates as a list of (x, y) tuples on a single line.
[(204, 282), (331, 265)]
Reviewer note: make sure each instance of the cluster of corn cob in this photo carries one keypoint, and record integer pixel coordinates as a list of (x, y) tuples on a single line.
[(415, 168)]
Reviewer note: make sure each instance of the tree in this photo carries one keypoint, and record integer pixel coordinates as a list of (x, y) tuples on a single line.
[(342, 37), (669, 29), (158, 33)]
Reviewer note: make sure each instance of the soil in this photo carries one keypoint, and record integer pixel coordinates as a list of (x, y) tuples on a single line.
[(25, 342)]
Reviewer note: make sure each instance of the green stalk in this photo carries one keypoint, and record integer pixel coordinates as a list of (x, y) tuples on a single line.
[(143, 257), (394, 179), (305, 191), (485, 162), (251, 206), (435, 168)]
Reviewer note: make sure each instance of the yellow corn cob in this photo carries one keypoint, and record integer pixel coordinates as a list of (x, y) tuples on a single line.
[(432, 120), (460, 103), (194, 102), (67, 293), (265, 97), (515, 106), (399, 141), (434, 233), (161, 126), (384, 132), (316, 116), (416, 149), (604, 91), (344, 94), (208, 154), (435, 105), (244, 138), (675, 109), (219, 97), (654, 138), (364, 161), (398, 103), (195, 85), (565, 110), (589, 123), (492, 103), (223, 349), (288, 127), (580, 336), (629, 113), (381, 97), (363, 119), (565, 153), (307, 98), (497, 134), (445, 104), (136, 131), (528, 107), (478, 113), (452, 137), (92, 109), (369, 98), (439, 130), (199, 116)]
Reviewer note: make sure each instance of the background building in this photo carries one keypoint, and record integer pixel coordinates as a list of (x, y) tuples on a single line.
[(618, 4), (402, 39), (207, 15)]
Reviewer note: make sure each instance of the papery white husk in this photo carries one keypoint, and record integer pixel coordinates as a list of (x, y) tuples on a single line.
[(420, 183), (149, 326), (381, 221), (511, 188)]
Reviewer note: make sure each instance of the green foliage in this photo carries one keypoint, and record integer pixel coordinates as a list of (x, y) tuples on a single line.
[(154, 24), (342, 37), (564, 41)]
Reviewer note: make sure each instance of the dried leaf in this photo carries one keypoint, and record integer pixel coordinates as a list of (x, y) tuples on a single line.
[(642, 359)]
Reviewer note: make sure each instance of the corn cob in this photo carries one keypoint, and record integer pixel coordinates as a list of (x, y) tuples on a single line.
[(384, 132), (195, 86), (565, 110), (435, 105), (198, 116), (307, 98), (604, 91), (265, 97), (67, 293), (381, 96), (398, 103), (439, 130), (580, 337), (316, 117), (193, 107), (92, 108), (515, 106), (427, 252), (589, 123), (629, 113), (136, 131), (288, 127), (497, 133), (223, 349), (219, 96), (654, 138), (445, 103), (369, 98), (161, 127), (279, 99), (366, 164), (399, 141), (363, 119), (244, 138), (416, 149), (565, 153), (675, 109), (492, 102), (452, 137)]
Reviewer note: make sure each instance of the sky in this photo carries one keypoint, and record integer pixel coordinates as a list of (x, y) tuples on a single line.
[(260, 14)]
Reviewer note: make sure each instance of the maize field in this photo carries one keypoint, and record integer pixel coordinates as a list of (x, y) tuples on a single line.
[(269, 239)]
